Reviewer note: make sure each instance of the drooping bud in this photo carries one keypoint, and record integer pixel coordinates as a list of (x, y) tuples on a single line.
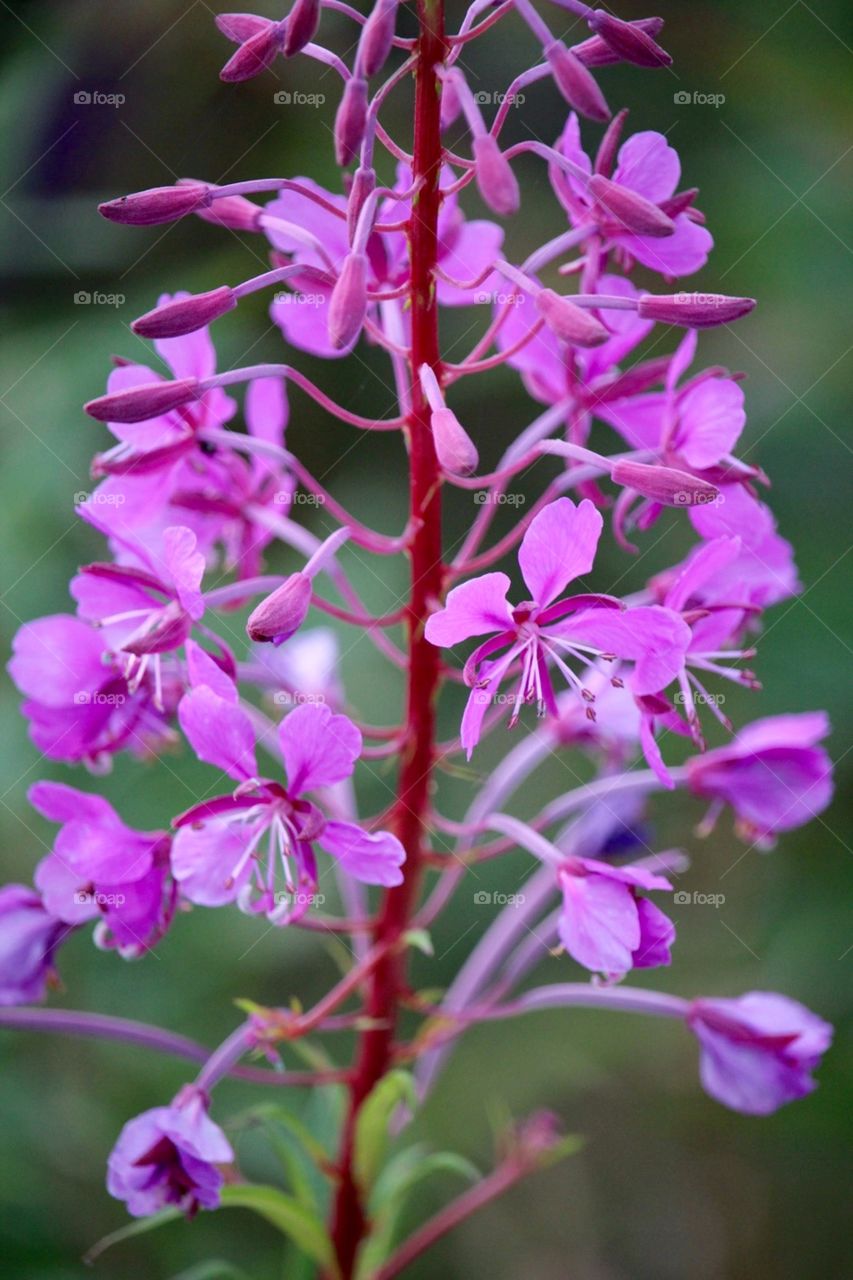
[(185, 315), (301, 27), (282, 613), (377, 38), (665, 485), (240, 27), (254, 55), (156, 205), (496, 181), (234, 212), (348, 304), (570, 323), (363, 185), (575, 83), (633, 211), (605, 156), (598, 53), (350, 121), (628, 40), (149, 400), (454, 448), (693, 310)]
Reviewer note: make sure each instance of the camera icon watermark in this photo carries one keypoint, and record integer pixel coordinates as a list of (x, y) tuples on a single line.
[(298, 898), (485, 497), (297, 698), (684, 898), (97, 98), (485, 898), (92, 898), (83, 298), (86, 698), (686, 98), (286, 498), (293, 98), (99, 499), (487, 98)]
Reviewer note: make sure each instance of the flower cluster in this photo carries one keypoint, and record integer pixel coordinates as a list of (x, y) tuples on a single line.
[(199, 492)]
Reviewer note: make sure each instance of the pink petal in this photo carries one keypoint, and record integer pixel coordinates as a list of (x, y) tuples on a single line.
[(219, 732), (680, 254), (204, 858), (319, 748), (656, 639), (372, 857), (56, 659), (711, 418), (649, 166), (202, 670), (473, 249), (598, 924), (474, 608), (186, 567), (701, 566), (60, 803), (559, 546)]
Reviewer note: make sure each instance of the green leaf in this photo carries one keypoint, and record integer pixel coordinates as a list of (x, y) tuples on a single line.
[(300, 1152), (287, 1215), (371, 1130), (420, 940), (136, 1228), (568, 1146)]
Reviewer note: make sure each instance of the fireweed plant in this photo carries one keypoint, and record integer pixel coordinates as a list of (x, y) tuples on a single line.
[(148, 658)]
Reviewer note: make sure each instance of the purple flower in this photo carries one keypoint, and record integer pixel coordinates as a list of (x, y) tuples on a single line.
[(100, 869), (168, 1156), (764, 572), (773, 775), (29, 936), (605, 925), (649, 167), (758, 1051), (237, 847), (559, 546)]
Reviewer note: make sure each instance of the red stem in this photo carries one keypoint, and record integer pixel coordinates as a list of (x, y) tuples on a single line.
[(387, 980)]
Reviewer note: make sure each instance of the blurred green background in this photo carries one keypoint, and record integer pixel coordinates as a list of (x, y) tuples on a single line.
[(669, 1184)]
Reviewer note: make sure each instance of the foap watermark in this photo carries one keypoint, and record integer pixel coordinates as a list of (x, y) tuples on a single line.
[(284, 498), (98, 499), (499, 299), (684, 898), (98, 98), (298, 898), (86, 698), (297, 698), (697, 498), (294, 98), (702, 699), (86, 898), (485, 497), (83, 298), (487, 98), (485, 898), (696, 98), (284, 298)]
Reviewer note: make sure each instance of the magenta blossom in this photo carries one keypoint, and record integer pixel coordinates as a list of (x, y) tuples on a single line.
[(647, 166), (764, 572), (168, 1156), (773, 775), (758, 1051), (29, 936), (605, 925), (102, 870), (234, 848), (559, 546)]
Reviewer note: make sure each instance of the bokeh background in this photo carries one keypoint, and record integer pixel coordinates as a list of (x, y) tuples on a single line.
[(668, 1183)]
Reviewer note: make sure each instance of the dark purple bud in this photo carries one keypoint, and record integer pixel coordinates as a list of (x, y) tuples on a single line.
[(253, 56), (156, 205), (281, 614), (185, 315), (495, 178), (605, 157), (454, 448), (666, 485), (363, 185), (350, 121), (693, 310), (570, 323), (682, 202), (301, 26), (598, 53), (348, 304), (146, 401), (628, 40), (633, 211), (377, 38), (240, 27), (575, 83)]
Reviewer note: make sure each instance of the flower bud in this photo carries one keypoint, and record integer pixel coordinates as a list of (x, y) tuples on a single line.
[(282, 613), (693, 310), (450, 104), (570, 323), (598, 53), (350, 121), (377, 38), (149, 400), (156, 205), (240, 27), (363, 185), (348, 303), (575, 83), (185, 315), (495, 178), (453, 446), (633, 211), (628, 40), (605, 156), (665, 485), (234, 212), (253, 56), (301, 26)]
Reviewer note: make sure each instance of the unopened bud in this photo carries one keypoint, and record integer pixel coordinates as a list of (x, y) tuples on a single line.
[(253, 56), (453, 446), (575, 83), (240, 27), (570, 323), (156, 205), (665, 485), (149, 400), (598, 53), (234, 212), (628, 40), (282, 613), (377, 37), (450, 104), (605, 157), (633, 211), (693, 310), (350, 121), (185, 315), (348, 304), (301, 27), (495, 179), (363, 185)]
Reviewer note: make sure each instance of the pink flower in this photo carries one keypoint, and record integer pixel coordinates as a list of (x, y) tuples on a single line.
[(29, 936), (773, 775), (758, 1051), (605, 925), (558, 547)]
